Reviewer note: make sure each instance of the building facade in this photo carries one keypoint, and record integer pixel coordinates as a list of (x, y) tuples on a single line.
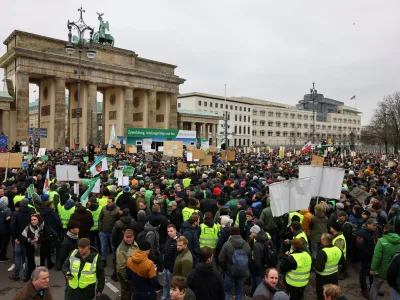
[(257, 122)]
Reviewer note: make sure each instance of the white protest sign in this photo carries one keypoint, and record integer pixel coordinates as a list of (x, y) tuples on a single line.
[(189, 156), (67, 173), (41, 152), (123, 180), (117, 173), (327, 182), (76, 188), (25, 149), (66, 149), (290, 195)]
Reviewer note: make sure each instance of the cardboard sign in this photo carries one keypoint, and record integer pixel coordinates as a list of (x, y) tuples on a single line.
[(118, 146), (206, 161), (112, 151), (213, 149), (182, 166), (132, 150), (231, 156), (173, 148), (191, 147), (198, 154), (10, 160), (317, 160), (97, 149)]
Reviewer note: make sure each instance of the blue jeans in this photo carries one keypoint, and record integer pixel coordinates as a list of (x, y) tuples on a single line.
[(104, 238), (364, 272), (228, 285), (395, 294), (167, 278), (20, 258)]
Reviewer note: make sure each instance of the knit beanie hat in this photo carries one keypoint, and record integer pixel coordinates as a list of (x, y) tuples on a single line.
[(255, 229)]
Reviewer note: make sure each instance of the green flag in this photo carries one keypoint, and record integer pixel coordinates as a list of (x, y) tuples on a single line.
[(44, 158), (84, 198), (86, 158), (31, 190), (110, 160)]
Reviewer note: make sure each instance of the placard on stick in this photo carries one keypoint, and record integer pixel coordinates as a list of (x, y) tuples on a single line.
[(118, 146), (173, 148), (182, 166), (10, 160), (206, 161), (132, 150), (67, 173), (190, 147), (213, 149), (97, 149), (317, 160), (198, 154), (111, 151)]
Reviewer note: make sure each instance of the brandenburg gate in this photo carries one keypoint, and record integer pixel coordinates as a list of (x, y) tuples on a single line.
[(137, 92)]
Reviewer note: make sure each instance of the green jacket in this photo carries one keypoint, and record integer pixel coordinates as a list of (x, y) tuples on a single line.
[(183, 263), (268, 220), (124, 251), (386, 247)]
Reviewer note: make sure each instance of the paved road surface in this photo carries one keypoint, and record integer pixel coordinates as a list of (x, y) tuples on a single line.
[(8, 288)]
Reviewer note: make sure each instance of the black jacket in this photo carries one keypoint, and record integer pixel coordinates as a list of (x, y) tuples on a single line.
[(85, 219), (393, 273), (176, 218), (365, 244), (67, 245), (51, 218), (170, 252), (208, 205), (257, 263), (125, 222), (206, 282), (192, 235), (19, 220), (126, 200), (163, 221)]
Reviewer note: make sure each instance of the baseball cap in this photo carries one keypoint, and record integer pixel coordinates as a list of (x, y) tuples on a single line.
[(372, 221)]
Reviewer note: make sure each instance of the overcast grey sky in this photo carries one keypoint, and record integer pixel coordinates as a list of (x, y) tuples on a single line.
[(271, 50)]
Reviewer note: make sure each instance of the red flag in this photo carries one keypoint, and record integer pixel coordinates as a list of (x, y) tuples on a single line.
[(74, 145)]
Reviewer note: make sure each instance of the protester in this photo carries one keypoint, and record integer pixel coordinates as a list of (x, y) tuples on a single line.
[(179, 290), (36, 288)]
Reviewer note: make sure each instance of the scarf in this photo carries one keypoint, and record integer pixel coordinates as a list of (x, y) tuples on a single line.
[(72, 236)]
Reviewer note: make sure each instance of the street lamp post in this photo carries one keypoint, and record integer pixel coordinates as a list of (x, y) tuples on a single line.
[(313, 93), (81, 45)]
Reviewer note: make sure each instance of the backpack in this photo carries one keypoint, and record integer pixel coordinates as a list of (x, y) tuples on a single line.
[(141, 236), (240, 263), (270, 255)]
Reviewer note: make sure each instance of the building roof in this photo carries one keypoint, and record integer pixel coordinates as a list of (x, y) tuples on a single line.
[(5, 96)]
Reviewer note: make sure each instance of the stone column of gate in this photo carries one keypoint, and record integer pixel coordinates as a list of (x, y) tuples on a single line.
[(128, 109), (193, 126), (173, 114), (22, 106), (151, 108), (180, 125), (213, 136), (59, 114), (92, 117)]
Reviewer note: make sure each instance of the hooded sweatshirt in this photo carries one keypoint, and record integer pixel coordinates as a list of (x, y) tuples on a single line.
[(206, 282), (141, 272), (385, 248), (5, 212)]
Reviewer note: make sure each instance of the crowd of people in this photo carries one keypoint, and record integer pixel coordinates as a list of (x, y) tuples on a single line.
[(204, 233)]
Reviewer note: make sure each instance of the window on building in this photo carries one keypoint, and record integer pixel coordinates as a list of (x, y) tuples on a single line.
[(235, 107), (254, 132), (205, 103), (240, 129), (226, 106), (305, 117), (269, 133), (262, 132), (235, 117), (159, 118), (240, 108), (270, 114), (254, 123), (329, 127), (278, 124), (138, 117), (179, 105), (298, 125), (211, 104), (254, 113), (318, 126), (231, 107), (262, 123), (278, 114), (285, 133), (305, 126), (292, 125), (262, 113), (270, 123), (292, 116), (112, 115), (305, 134), (199, 103), (248, 118), (240, 118), (235, 129), (278, 133), (248, 130), (334, 120), (292, 134), (299, 117), (248, 109), (285, 124), (299, 134)]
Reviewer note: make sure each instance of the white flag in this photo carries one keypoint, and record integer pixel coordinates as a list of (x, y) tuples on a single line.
[(112, 136), (99, 165)]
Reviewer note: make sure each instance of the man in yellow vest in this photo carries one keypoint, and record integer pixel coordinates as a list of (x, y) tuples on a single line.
[(298, 233), (208, 232), (295, 213), (95, 210), (297, 267), (103, 200), (327, 263), (82, 279), (339, 241), (188, 211), (21, 195), (65, 213)]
